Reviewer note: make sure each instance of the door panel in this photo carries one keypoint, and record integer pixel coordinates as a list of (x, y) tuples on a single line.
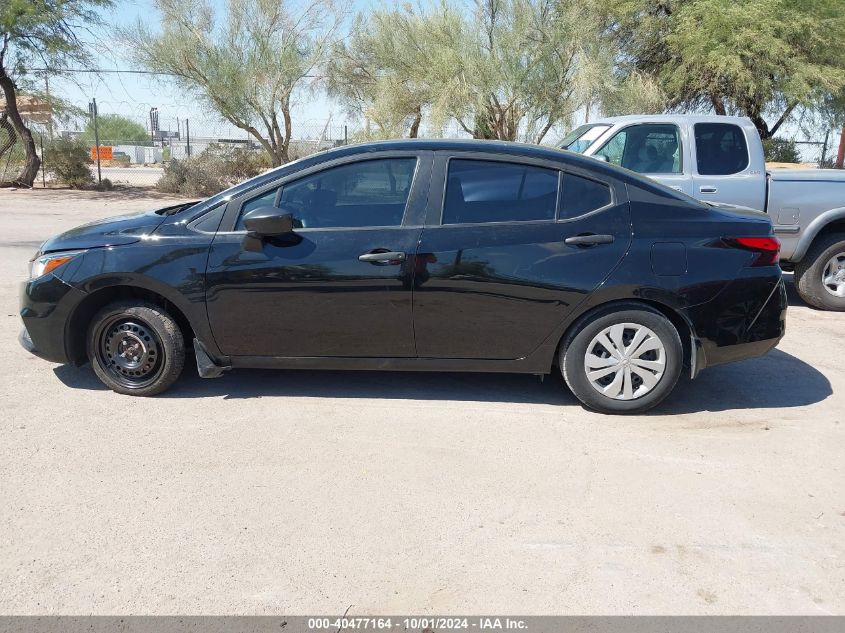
[(309, 293), (312, 296), (657, 150), (724, 170), (498, 290)]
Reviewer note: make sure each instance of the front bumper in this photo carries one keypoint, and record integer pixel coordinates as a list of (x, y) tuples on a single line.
[(46, 305)]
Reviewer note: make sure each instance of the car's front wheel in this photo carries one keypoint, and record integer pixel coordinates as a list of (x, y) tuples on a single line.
[(136, 348), (622, 360)]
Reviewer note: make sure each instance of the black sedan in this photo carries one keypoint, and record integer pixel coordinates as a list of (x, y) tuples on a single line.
[(423, 256)]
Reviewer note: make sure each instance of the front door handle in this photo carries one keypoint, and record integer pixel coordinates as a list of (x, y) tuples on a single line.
[(707, 189), (588, 240), (382, 257)]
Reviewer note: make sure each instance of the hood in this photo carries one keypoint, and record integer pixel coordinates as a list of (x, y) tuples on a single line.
[(119, 231)]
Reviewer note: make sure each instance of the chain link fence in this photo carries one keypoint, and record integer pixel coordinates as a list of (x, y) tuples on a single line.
[(137, 148)]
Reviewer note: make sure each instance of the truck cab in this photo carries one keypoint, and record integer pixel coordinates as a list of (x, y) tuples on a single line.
[(719, 159), (713, 158)]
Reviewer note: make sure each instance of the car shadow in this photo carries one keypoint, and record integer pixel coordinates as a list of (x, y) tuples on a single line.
[(793, 298), (773, 381)]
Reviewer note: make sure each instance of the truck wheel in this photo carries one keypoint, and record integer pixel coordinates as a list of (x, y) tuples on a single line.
[(136, 348), (820, 276)]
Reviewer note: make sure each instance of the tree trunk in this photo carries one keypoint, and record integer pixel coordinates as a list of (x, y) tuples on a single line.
[(718, 105), (840, 157), (415, 124), (30, 168)]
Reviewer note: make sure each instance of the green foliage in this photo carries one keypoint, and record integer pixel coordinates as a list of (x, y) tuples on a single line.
[(215, 169), (765, 59), (114, 129), (67, 160), (781, 150), (505, 69), (246, 63)]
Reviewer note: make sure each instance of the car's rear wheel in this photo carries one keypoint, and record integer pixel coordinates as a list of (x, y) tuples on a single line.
[(820, 276), (136, 348), (622, 360)]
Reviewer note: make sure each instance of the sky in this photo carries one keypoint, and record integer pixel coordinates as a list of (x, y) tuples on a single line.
[(133, 95)]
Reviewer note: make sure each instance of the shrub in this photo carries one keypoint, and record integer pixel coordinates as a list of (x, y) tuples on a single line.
[(781, 150), (68, 160), (215, 169)]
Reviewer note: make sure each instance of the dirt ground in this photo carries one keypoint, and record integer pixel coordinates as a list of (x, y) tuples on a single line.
[(313, 492)]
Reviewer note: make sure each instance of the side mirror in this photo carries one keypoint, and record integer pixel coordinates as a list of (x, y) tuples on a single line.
[(268, 222)]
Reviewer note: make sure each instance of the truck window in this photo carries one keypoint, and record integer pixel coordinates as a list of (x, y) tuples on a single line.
[(580, 139), (648, 148), (720, 149)]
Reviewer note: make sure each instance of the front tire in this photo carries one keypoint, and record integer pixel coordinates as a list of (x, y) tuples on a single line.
[(622, 360), (820, 276), (136, 348)]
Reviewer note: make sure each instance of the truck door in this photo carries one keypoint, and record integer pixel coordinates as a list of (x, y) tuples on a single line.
[(656, 150), (724, 171)]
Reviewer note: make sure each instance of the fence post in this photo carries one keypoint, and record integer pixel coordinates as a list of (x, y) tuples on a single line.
[(92, 108), (824, 148), (345, 134), (188, 137), (43, 163)]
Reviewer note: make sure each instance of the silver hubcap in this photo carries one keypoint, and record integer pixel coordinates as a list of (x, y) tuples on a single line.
[(625, 361), (833, 275)]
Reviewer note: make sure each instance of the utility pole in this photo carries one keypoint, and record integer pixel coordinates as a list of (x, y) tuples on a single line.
[(92, 109), (49, 106), (188, 137)]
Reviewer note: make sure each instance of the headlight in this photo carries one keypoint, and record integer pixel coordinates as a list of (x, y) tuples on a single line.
[(47, 263)]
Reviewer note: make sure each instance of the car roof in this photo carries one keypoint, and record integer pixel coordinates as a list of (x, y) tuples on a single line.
[(505, 148)]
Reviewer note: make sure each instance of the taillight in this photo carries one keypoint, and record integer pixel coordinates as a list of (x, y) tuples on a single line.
[(767, 248)]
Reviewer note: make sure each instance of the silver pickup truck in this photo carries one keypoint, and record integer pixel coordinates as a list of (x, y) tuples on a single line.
[(719, 159)]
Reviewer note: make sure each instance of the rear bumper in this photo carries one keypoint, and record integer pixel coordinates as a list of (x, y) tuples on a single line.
[(740, 323), (46, 306)]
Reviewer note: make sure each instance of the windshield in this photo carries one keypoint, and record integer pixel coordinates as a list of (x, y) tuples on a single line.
[(579, 139)]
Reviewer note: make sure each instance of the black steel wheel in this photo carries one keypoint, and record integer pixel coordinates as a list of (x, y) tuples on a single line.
[(136, 348)]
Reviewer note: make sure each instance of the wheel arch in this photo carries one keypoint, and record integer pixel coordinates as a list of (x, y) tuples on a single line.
[(679, 320), (832, 221), (77, 324)]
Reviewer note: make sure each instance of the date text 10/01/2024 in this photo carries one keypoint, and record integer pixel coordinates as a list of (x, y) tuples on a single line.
[(417, 623)]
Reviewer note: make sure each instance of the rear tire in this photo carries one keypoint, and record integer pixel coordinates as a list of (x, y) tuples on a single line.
[(820, 276), (135, 348), (624, 359)]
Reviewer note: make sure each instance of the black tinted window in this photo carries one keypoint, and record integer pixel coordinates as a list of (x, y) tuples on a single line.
[(367, 193), (582, 195), (489, 191), (720, 149)]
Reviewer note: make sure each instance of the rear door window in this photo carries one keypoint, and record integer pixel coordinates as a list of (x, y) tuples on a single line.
[(582, 195), (720, 149), (479, 191)]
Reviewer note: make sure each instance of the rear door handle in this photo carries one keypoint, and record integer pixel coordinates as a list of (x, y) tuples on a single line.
[(707, 189), (588, 240), (382, 257)]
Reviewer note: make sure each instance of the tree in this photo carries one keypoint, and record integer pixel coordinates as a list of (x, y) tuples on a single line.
[(505, 69), (39, 32), (113, 129), (246, 64), (764, 59)]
